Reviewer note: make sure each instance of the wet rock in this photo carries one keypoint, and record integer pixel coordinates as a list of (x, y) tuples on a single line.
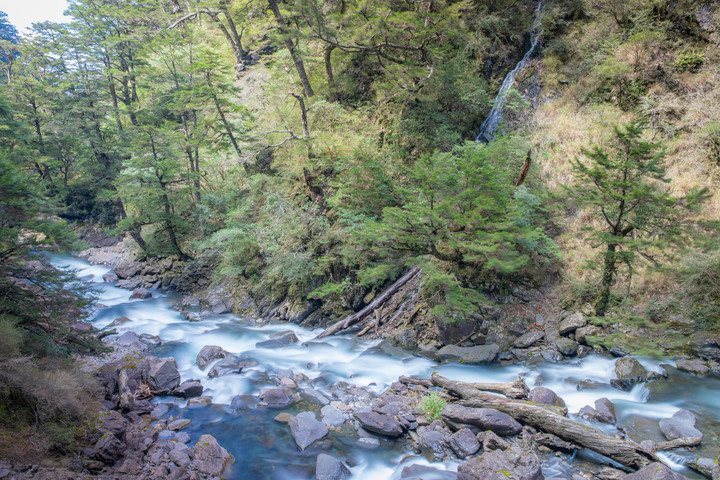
[(628, 372), (464, 443), (283, 417), (330, 468), (482, 419), (209, 457), (160, 410), (681, 424), (279, 339), (182, 437), (221, 306), (276, 398), (141, 293), (232, 364), (425, 472), (571, 323), (655, 471), (529, 339), (582, 333), (546, 396), (379, 423), (199, 402), (605, 411), (189, 388), (162, 374), (512, 463), (331, 416), (110, 277), (472, 355), (305, 429), (566, 346), (491, 441), (208, 354), (696, 366), (313, 396), (127, 338), (179, 424)]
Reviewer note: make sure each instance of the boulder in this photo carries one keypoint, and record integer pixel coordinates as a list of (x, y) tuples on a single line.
[(230, 365), (696, 366), (221, 306), (512, 463), (305, 429), (566, 346), (680, 425), (108, 448), (426, 472), (571, 323), (490, 441), (313, 396), (279, 339), (330, 468), (546, 396), (628, 372), (127, 338), (209, 457), (464, 443), (110, 277), (380, 423), (605, 411), (529, 339), (482, 419), (179, 424), (276, 398), (162, 374), (141, 293), (208, 354), (655, 471), (582, 333), (131, 465), (431, 443), (472, 355), (331, 416), (113, 422), (188, 388)]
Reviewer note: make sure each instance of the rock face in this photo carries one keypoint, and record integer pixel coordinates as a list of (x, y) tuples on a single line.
[(380, 423), (481, 419), (573, 322), (473, 355), (681, 424), (305, 429), (279, 339), (529, 339), (512, 463), (208, 354), (162, 374), (628, 372), (209, 457), (655, 471), (330, 468)]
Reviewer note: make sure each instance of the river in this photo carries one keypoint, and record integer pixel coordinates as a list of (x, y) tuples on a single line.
[(263, 447)]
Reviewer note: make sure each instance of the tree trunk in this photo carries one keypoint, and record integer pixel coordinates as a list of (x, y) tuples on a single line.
[(623, 452), (329, 72), (297, 60), (607, 279), (223, 117)]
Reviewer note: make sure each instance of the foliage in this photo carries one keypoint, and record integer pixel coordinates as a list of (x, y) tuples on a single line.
[(701, 287), (689, 62), (432, 405)]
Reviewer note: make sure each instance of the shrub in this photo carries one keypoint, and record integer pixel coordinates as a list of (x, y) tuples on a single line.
[(432, 406), (689, 62)]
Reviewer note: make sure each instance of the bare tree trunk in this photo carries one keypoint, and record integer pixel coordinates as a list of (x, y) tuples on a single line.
[(329, 72), (299, 65)]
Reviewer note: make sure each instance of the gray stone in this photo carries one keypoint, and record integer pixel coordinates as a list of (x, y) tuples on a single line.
[(113, 422), (209, 457), (180, 457), (605, 411), (220, 307), (208, 354), (490, 441), (546, 396), (464, 443), (680, 425), (529, 339), (482, 419), (108, 448), (331, 416), (162, 374), (110, 277), (182, 437), (141, 293), (628, 372), (189, 388), (166, 435), (313, 396), (472, 355), (305, 429), (696, 366), (582, 333), (655, 471), (512, 463), (179, 424), (276, 398), (230, 365), (572, 322), (566, 346), (425, 472), (279, 339), (127, 338), (431, 443), (330, 468), (379, 423)]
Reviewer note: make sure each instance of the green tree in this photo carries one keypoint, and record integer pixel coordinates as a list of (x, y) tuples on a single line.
[(625, 185)]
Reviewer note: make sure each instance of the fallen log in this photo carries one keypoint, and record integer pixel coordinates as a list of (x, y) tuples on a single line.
[(623, 452), (682, 442), (356, 317), (515, 389)]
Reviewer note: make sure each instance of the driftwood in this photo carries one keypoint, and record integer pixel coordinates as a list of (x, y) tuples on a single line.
[(515, 389), (356, 317), (683, 442), (105, 333), (623, 452)]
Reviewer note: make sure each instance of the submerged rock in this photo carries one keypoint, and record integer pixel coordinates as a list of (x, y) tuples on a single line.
[(473, 355), (230, 365), (512, 463), (680, 425), (279, 339), (305, 429), (330, 468)]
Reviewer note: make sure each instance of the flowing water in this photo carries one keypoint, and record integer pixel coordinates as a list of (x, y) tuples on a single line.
[(263, 447), (490, 126)]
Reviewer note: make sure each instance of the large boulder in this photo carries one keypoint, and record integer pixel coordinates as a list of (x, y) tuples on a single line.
[(330, 468), (279, 339), (655, 471), (529, 339), (162, 374), (628, 372), (305, 429), (571, 323), (680, 425), (472, 355), (209, 457), (547, 397), (432, 443), (208, 354), (605, 411), (582, 333), (512, 463), (108, 448), (501, 423), (276, 398), (566, 346), (189, 388), (230, 365), (380, 423)]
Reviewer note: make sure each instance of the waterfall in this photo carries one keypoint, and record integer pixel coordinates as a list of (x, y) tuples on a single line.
[(490, 126)]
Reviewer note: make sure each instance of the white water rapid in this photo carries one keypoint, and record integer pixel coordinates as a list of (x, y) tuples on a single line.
[(264, 449)]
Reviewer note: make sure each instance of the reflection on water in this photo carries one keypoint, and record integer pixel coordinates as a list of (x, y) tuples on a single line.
[(263, 447)]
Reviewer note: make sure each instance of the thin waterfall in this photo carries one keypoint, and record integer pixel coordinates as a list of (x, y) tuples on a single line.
[(490, 126)]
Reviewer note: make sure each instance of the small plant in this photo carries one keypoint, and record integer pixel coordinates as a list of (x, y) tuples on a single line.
[(689, 62), (432, 406)]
